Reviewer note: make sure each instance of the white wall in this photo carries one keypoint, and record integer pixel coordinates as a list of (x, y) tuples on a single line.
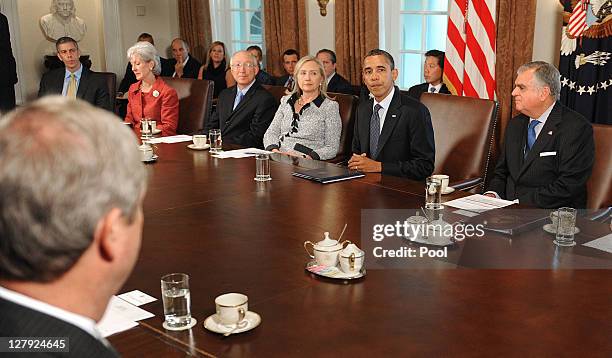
[(547, 34), (161, 21), (321, 30), (34, 45)]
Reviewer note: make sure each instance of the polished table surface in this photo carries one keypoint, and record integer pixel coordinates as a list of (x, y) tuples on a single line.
[(207, 217)]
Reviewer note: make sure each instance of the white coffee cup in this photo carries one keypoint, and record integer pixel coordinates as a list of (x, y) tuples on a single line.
[(443, 179), (231, 308), (199, 140), (153, 126)]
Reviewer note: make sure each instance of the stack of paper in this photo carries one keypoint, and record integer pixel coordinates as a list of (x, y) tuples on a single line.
[(603, 243), (121, 315), (240, 153), (172, 139), (478, 203)]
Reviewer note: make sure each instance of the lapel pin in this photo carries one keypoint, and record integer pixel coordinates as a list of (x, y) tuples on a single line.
[(393, 115), (155, 93), (550, 133)]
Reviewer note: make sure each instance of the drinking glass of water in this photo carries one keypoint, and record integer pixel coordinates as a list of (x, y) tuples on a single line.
[(262, 167), (565, 227), (177, 302), (214, 138), (433, 193)]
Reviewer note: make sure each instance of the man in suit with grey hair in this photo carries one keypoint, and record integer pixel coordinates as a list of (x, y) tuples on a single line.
[(548, 151), (70, 234)]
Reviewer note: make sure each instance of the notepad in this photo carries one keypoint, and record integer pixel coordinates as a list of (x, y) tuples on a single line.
[(328, 174)]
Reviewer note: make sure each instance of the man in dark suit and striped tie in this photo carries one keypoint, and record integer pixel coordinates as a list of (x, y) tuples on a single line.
[(70, 234), (433, 69), (548, 151), (393, 132)]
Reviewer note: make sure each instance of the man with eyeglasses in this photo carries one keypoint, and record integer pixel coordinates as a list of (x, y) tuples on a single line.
[(75, 80), (244, 111)]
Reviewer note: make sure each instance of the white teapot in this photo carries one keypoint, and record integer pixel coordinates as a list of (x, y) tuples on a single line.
[(351, 259), (326, 251)]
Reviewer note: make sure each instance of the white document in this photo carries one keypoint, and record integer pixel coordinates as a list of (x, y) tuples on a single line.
[(603, 243), (172, 139), (120, 316), (136, 297), (478, 203), (240, 153)]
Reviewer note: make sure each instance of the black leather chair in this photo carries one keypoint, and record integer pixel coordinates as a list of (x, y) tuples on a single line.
[(111, 82)]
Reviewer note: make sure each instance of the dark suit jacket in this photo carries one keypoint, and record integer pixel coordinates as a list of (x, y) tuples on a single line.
[(8, 72), (417, 90), (339, 84), (247, 124), (191, 69), (280, 81), (20, 321), (559, 177), (406, 144), (265, 78), (92, 87)]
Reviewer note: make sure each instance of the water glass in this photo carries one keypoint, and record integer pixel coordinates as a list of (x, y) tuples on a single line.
[(566, 222), (262, 167), (433, 193), (214, 138), (177, 300), (146, 130)]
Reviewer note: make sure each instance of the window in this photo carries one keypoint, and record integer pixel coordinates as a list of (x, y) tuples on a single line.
[(408, 29), (245, 25)]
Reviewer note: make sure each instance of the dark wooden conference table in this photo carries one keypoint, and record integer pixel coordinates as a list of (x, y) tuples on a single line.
[(207, 217)]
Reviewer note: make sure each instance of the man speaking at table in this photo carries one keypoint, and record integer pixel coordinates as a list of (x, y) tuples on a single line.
[(548, 149), (71, 219), (393, 132), (244, 111)]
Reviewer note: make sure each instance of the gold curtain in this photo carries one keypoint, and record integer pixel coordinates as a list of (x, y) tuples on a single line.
[(195, 26), (356, 34), (285, 27), (515, 27)]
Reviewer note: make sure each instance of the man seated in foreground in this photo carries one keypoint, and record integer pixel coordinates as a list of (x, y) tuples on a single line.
[(393, 132), (71, 219), (548, 150)]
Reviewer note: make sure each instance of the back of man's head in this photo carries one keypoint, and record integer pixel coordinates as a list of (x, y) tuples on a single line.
[(64, 165)]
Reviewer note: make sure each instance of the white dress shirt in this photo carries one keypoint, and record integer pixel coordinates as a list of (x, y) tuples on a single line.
[(385, 103), (436, 88)]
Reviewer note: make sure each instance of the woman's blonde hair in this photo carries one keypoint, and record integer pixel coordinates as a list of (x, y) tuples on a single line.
[(298, 67)]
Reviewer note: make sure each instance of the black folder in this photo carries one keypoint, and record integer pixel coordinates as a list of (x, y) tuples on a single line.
[(328, 174)]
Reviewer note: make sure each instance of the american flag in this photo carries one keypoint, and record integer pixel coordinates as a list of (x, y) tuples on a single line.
[(577, 21), (469, 65)]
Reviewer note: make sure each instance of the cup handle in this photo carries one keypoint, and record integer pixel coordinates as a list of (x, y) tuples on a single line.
[(241, 314), (352, 261), (347, 242), (308, 252)]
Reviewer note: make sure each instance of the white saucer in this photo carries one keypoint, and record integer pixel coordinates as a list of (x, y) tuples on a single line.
[(190, 325), (333, 272), (551, 229), (449, 189), (192, 146), (251, 318), (152, 160), (156, 131)]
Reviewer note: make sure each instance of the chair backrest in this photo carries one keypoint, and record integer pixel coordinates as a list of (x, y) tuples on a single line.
[(464, 130), (277, 91), (348, 109), (195, 102), (599, 187), (111, 83)]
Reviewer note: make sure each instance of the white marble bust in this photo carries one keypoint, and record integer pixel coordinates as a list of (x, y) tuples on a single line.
[(62, 21)]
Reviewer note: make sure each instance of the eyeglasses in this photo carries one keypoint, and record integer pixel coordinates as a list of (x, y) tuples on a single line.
[(241, 65)]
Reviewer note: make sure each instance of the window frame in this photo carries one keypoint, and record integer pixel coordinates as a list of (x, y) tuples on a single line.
[(223, 30)]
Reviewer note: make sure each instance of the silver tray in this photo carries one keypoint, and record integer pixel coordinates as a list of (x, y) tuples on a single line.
[(330, 274)]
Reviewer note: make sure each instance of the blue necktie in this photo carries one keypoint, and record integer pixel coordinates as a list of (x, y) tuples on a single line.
[(237, 100), (531, 135), (374, 131)]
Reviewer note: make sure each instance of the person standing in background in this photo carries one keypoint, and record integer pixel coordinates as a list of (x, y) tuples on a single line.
[(8, 68)]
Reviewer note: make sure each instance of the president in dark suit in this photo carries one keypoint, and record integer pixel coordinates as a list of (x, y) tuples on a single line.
[(245, 111), (182, 65), (335, 82), (393, 132), (8, 69), (433, 69), (548, 149), (75, 80), (60, 266)]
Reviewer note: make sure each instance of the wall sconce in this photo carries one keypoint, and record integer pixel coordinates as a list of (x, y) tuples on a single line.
[(323, 6)]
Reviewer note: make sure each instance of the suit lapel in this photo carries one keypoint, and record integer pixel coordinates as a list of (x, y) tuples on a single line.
[(553, 120), (365, 115), (228, 112), (391, 119), (83, 82)]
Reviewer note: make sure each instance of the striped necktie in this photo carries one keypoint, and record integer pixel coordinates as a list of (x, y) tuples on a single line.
[(72, 87), (238, 99), (374, 131)]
